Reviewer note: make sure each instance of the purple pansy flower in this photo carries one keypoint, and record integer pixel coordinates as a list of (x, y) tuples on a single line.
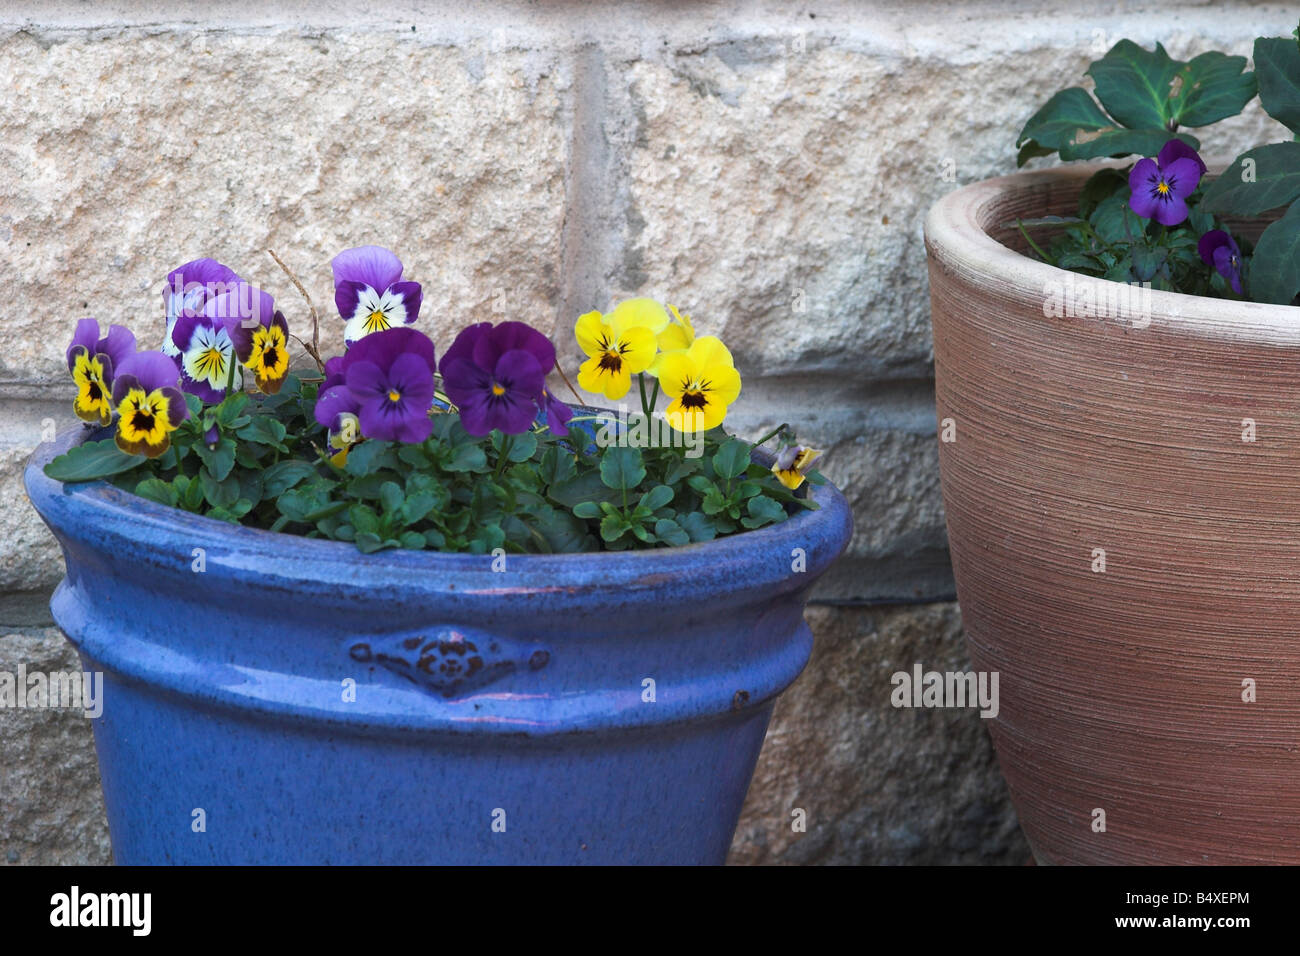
[(370, 293), (149, 405), (496, 375), (1160, 187), (189, 288), (387, 385), (1218, 249), (92, 361)]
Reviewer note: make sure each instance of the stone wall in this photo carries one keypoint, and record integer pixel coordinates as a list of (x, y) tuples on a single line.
[(763, 165)]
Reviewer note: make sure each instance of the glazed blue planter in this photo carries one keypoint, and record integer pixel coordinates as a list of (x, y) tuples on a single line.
[(298, 702)]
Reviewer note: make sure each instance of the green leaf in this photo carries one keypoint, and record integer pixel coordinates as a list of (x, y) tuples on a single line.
[(622, 468), (613, 527), (1147, 261), (92, 460), (231, 408), (564, 533), (1277, 65), (1100, 186), (280, 477), (417, 506), (557, 466), (364, 519), (587, 509), (1134, 85), (368, 456), (1258, 180), (155, 489), (265, 430), (1275, 267), (1066, 114), (698, 526), (192, 496), (368, 542), (467, 458), (391, 497), (656, 498), (523, 447), (1210, 88), (1124, 142), (218, 460), (412, 540), (731, 459), (670, 532), (220, 494), (763, 511)]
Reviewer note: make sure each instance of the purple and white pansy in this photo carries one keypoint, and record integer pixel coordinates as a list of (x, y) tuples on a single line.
[(370, 293), (189, 287)]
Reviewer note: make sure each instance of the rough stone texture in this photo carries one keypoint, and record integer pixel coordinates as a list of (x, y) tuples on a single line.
[(51, 808), (879, 785), (764, 165)]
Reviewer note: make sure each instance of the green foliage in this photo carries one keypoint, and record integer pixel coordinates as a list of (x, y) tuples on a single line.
[(1145, 96), (531, 493), (1142, 98)]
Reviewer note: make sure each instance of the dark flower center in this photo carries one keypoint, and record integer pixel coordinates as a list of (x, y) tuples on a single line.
[(694, 400), (611, 362)]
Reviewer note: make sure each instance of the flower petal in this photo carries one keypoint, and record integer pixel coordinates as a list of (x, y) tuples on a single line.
[(374, 266)]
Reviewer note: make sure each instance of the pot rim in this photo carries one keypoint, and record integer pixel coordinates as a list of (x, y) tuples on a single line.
[(245, 552), (956, 237)]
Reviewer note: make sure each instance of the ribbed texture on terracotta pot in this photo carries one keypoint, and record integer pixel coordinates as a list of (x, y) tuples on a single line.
[(1122, 690)]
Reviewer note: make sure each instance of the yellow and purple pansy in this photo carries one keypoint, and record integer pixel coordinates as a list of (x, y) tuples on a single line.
[(149, 404), (92, 361), (793, 464), (189, 287), (259, 333), (370, 294)]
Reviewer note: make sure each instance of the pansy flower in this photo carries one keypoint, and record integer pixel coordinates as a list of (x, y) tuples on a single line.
[(702, 381), (189, 287), (1218, 249), (1159, 187), (149, 405), (92, 362), (619, 345), (496, 376), (337, 409), (676, 336), (387, 386), (370, 293), (259, 333), (792, 465)]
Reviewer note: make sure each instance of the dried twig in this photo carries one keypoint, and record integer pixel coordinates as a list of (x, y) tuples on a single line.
[(568, 383), (314, 349)]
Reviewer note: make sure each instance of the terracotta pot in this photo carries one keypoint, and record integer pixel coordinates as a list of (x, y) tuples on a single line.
[(1122, 684)]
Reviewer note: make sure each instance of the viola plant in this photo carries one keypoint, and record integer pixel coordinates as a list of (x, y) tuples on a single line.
[(389, 445), (1155, 222)]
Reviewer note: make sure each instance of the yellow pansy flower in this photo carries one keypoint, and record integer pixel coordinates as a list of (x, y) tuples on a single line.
[(618, 345), (792, 464), (702, 381), (676, 336)]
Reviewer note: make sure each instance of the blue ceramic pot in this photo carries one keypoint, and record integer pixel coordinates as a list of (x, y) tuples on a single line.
[(298, 702)]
